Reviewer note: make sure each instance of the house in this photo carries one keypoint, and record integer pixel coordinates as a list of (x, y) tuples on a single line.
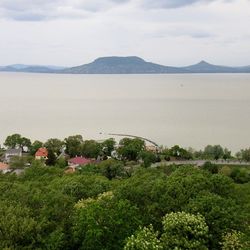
[(4, 168), (79, 161), (41, 153), (151, 148), (12, 153)]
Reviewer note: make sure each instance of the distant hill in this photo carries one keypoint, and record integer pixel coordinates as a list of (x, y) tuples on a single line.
[(126, 65), (31, 68), (205, 67), (122, 65)]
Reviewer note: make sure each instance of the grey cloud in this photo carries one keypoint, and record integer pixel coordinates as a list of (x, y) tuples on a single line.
[(36, 10), (168, 4)]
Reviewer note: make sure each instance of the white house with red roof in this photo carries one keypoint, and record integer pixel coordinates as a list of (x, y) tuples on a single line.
[(41, 153)]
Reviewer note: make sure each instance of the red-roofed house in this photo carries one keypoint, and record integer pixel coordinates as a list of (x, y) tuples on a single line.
[(4, 168), (79, 161), (41, 153)]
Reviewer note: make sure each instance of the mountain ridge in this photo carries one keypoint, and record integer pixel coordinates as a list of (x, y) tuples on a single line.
[(126, 65)]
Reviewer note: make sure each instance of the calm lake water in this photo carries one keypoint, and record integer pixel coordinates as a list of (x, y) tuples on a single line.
[(189, 110)]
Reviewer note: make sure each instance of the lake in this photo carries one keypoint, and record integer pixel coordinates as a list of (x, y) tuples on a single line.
[(189, 110)]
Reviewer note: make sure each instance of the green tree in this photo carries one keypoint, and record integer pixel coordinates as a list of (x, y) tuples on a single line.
[(104, 222), (148, 158), (232, 241), (35, 146), (18, 229), (51, 160), (55, 145), (91, 149), (227, 154), (108, 146), (184, 231), (17, 141), (179, 153), (130, 149), (212, 168), (111, 168), (73, 145), (213, 152), (144, 239), (18, 162), (244, 154)]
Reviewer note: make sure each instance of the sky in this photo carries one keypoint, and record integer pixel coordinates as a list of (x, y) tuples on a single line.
[(169, 32)]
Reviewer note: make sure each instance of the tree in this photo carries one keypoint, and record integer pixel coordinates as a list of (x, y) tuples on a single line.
[(181, 231), (108, 146), (244, 154), (240, 175), (73, 145), (51, 160), (104, 222), (18, 230), (221, 214), (111, 168), (212, 168), (129, 149), (91, 149), (144, 239), (227, 154), (18, 162), (55, 145), (184, 231), (179, 153), (148, 158), (17, 141), (35, 146), (213, 152), (232, 241)]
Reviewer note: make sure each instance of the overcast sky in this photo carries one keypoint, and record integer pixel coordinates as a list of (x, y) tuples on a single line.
[(170, 32)]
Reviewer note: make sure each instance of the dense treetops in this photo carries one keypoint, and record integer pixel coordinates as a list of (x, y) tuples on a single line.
[(123, 203)]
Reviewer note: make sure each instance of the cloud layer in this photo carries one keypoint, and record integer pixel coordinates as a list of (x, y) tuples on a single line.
[(38, 10), (170, 32)]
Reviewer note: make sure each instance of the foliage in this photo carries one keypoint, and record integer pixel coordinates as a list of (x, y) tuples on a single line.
[(220, 213), (51, 159), (55, 145), (19, 162), (213, 152), (17, 227), (17, 141), (104, 223), (232, 241), (184, 231), (111, 168), (244, 154), (144, 239), (148, 158), (35, 146), (212, 168), (130, 149), (73, 145), (91, 149), (108, 146), (240, 175), (225, 170), (179, 153)]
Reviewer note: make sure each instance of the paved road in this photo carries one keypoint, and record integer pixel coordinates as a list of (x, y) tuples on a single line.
[(200, 162)]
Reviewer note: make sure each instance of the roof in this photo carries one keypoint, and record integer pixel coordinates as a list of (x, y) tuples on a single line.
[(3, 166), (43, 152), (80, 161), (14, 151)]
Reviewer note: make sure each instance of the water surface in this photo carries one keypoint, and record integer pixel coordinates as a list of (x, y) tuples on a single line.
[(190, 110)]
